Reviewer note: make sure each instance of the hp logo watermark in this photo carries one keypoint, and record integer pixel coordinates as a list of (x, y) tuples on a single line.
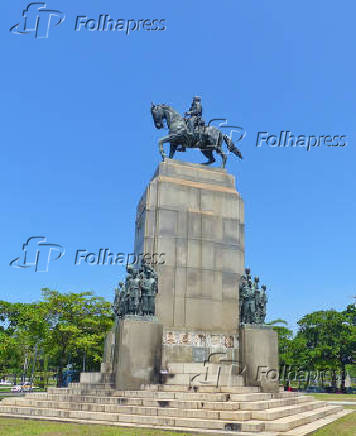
[(38, 20)]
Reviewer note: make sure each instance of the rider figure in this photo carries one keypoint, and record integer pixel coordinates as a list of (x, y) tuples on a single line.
[(194, 119), (194, 115)]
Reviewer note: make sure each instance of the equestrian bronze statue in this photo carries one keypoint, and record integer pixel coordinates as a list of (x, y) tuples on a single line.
[(191, 131)]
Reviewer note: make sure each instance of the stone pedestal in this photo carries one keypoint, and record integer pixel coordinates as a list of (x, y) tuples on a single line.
[(194, 216), (138, 353), (109, 351), (259, 357)]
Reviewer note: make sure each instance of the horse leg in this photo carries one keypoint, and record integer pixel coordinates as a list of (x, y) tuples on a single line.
[(209, 154), (223, 158), (231, 146), (162, 141), (172, 150), (219, 150)]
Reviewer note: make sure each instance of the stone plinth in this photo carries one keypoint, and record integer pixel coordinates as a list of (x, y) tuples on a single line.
[(259, 356), (195, 216), (109, 351), (138, 353)]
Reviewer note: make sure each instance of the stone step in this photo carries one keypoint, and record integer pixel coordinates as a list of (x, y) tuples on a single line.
[(77, 391), (197, 418), (291, 422), (164, 421), (200, 388), (182, 412), (80, 388), (269, 404), (85, 399), (287, 394), (310, 428), (281, 412), (162, 396), (87, 416), (178, 404), (183, 404), (227, 425), (170, 402), (90, 386), (198, 396), (250, 397)]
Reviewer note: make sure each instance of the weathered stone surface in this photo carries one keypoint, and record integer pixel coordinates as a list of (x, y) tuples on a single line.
[(259, 355), (109, 349), (138, 353), (194, 215)]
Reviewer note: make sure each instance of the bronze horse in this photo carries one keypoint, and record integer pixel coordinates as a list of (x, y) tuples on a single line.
[(206, 138)]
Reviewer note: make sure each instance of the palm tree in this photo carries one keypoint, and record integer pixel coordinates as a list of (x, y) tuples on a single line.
[(277, 321)]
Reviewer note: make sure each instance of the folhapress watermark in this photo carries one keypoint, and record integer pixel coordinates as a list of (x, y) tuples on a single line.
[(294, 373), (105, 23), (285, 139), (38, 254), (105, 256), (38, 19)]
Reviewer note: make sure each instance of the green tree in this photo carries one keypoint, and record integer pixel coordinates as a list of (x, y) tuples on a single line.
[(328, 339), (23, 326), (63, 326), (285, 337), (78, 323)]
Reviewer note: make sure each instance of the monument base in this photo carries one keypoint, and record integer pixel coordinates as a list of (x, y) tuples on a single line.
[(187, 346), (259, 357), (138, 353)]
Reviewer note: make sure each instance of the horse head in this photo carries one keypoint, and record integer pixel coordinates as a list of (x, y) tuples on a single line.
[(158, 115)]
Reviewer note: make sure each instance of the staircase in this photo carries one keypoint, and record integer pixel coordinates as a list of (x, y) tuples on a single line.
[(203, 408)]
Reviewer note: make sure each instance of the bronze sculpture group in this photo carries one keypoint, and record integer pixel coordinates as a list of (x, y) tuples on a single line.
[(191, 131), (137, 295), (253, 300)]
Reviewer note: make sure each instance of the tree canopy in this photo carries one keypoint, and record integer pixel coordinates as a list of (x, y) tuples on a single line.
[(325, 342), (64, 327)]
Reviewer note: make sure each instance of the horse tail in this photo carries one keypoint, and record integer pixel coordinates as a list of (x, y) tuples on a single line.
[(231, 146)]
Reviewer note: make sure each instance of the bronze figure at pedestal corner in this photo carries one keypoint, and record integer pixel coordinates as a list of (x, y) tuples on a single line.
[(137, 295), (253, 300)]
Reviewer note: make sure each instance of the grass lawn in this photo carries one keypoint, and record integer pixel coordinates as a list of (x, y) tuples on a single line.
[(335, 397), (19, 427), (345, 426)]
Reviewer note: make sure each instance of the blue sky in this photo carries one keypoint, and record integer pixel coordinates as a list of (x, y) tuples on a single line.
[(79, 146)]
